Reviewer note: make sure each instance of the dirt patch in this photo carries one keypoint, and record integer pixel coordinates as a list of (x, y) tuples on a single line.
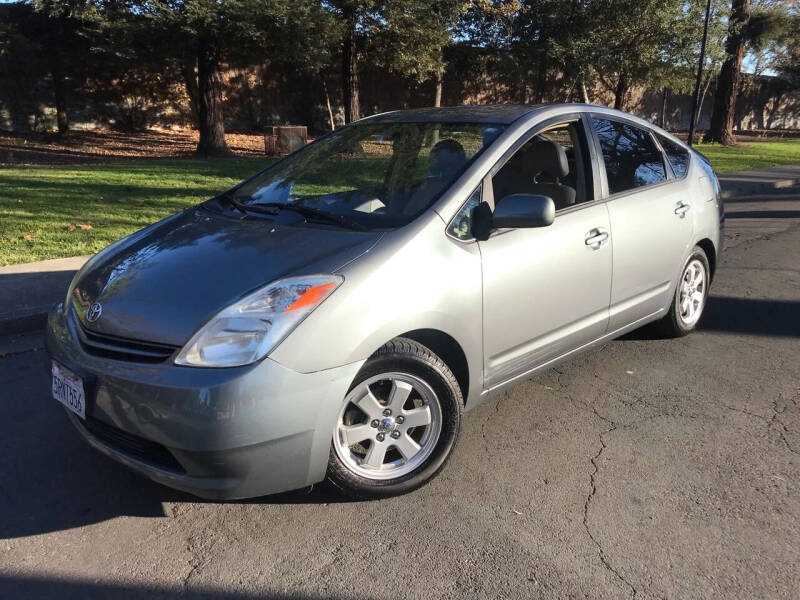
[(102, 146)]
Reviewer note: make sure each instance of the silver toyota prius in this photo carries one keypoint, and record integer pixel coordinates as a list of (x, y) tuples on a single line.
[(336, 314)]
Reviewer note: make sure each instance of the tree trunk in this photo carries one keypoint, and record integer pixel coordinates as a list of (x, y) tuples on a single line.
[(541, 77), (331, 120), (60, 93), (437, 98), (702, 99), (722, 115), (209, 99), (662, 111), (621, 91), (57, 73), (350, 71), (189, 74), (584, 93)]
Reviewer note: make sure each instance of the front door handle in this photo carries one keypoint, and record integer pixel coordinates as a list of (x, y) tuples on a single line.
[(596, 238), (681, 209)]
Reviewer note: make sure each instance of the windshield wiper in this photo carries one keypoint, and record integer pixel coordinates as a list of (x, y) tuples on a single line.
[(309, 211), (246, 209)]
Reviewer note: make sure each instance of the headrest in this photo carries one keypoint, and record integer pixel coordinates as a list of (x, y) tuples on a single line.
[(545, 156), (447, 156)]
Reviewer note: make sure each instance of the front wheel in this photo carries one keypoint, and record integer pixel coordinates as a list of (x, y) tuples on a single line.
[(690, 297), (398, 423)]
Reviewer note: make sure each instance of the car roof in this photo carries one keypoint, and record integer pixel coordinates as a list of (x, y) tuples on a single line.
[(502, 114), (505, 114)]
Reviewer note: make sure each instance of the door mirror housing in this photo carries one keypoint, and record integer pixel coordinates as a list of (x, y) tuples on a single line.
[(523, 211)]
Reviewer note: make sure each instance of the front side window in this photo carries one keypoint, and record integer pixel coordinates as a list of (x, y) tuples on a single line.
[(552, 163), (631, 157), (677, 155), (378, 175)]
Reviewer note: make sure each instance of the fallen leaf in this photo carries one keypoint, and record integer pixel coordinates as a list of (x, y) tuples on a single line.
[(84, 227), (27, 237), (71, 228), (13, 240)]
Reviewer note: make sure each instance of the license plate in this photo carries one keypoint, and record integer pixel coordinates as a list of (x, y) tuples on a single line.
[(68, 389)]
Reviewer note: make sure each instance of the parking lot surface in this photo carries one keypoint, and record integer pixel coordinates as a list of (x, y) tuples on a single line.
[(646, 468)]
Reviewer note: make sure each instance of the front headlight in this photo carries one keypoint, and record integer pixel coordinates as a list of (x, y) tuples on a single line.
[(249, 329)]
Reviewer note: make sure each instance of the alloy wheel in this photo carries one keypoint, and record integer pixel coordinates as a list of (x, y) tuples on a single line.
[(388, 427), (692, 295)]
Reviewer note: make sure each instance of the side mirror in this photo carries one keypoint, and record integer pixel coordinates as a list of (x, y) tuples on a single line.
[(524, 210)]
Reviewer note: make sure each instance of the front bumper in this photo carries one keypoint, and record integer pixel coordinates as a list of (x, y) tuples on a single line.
[(216, 433)]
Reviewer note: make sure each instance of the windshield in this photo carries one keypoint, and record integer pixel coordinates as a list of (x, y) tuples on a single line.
[(379, 175)]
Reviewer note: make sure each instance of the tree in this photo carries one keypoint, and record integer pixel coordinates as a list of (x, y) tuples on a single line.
[(752, 28), (205, 26), (721, 129), (633, 38), (205, 32), (414, 37), (495, 29), (67, 51), (787, 60), (357, 17)]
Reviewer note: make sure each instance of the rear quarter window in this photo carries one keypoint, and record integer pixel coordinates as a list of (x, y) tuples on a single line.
[(677, 155)]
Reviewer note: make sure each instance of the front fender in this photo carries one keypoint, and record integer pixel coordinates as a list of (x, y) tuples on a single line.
[(415, 278)]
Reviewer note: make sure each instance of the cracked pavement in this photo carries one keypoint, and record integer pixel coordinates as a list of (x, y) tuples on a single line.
[(646, 468)]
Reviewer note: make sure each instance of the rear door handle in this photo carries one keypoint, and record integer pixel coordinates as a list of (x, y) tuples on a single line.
[(596, 238), (681, 209)]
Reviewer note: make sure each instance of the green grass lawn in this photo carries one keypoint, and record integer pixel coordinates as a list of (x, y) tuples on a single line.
[(742, 157), (45, 211), (53, 212)]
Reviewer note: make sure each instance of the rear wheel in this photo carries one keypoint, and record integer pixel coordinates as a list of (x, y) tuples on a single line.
[(398, 423), (690, 297)]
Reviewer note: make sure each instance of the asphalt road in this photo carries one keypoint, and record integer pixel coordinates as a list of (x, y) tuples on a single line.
[(647, 468)]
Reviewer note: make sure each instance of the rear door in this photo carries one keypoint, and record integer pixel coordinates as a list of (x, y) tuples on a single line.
[(648, 209)]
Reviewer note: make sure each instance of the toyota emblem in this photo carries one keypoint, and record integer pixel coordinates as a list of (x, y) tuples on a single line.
[(93, 312)]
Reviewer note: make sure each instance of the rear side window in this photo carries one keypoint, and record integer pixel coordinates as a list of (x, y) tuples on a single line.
[(631, 157), (677, 155)]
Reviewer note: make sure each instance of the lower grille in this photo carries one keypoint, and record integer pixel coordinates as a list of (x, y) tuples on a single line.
[(132, 445)]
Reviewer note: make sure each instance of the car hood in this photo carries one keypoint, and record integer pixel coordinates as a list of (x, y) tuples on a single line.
[(162, 284)]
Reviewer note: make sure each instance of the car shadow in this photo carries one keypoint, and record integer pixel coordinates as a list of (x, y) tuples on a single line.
[(47, 587), (752, 316), (749, 316), (51, 479), (763, 214)]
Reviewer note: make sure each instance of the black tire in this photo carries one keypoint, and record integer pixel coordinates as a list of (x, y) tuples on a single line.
[(672, 324), (406, 356)]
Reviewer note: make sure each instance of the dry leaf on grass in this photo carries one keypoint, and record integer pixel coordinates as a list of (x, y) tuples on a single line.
[(28, 237), (81, 226)]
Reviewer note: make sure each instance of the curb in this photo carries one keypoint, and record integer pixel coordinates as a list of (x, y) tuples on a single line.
[(29, 291), (24, 324), (745, 190)]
